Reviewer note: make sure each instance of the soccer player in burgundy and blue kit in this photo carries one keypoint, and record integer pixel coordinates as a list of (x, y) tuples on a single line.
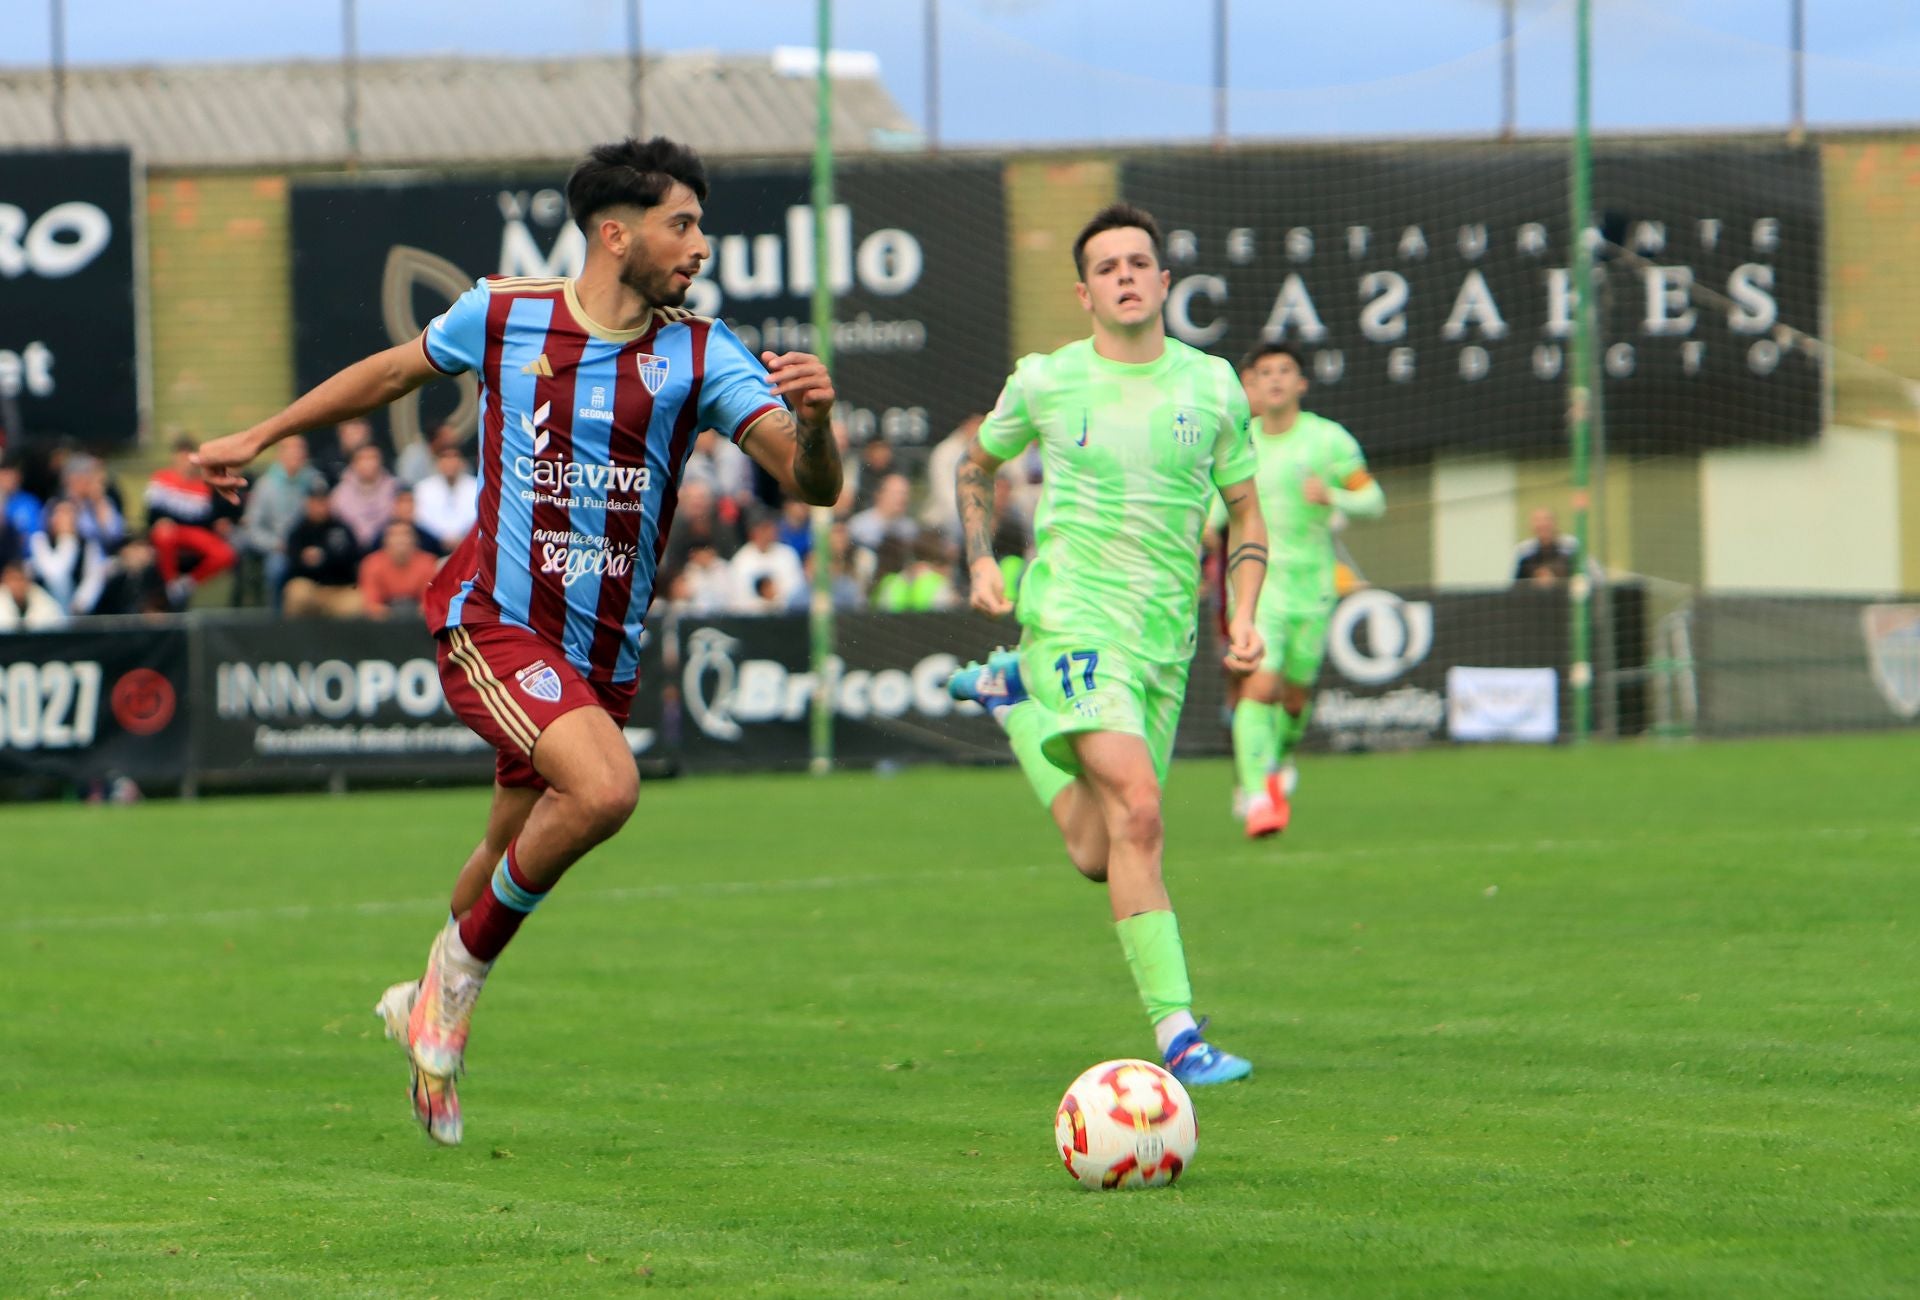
[(592, 390)]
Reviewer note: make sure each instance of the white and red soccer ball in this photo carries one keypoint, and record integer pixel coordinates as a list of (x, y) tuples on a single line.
[(1125, 1124)]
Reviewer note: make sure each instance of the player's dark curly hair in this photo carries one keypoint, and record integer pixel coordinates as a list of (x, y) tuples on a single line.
[(1117, 216), (633, 173), (1273, 348)]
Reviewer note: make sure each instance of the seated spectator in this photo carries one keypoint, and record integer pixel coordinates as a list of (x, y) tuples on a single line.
[(67, 566), (349, 436), (942, 508), (796, 526), (876, 463), (447, 502), (725, 470), (323, 564), (887, 517), (406, 511), (179, 523), (697, 523), (766, 557), (396, 575), (925, 584), (99, 518), (1546, 558), (708, 583), (275, 503), (415, 463), (134, 584), (848, 594), (363, 499), (20, 507), (24, 606)]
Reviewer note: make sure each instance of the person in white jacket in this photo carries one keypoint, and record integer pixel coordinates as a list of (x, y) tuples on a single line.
[(24, 606), (765, 559), (70, 568)]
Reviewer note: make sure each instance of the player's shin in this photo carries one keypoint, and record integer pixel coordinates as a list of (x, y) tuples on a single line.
[(487, 927), (1290, 728), (1151, 941), (1256, 742)]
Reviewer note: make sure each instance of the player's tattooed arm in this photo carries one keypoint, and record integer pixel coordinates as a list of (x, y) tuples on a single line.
[(1246, 570), (974, 490)]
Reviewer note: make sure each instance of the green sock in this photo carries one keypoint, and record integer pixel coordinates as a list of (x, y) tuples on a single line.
[(1024, 723), (1254, 743), (1151, 941), (1290, 727)]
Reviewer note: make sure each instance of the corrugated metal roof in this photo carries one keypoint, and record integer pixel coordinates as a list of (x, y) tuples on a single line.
[(439, 110)]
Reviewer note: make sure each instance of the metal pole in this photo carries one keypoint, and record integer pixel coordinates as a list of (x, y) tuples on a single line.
[(822, 607), (1797, 93), (350, 74), (636, 71), (59, 17), (1509, 73), (1580, 399), (931, 24), (1219, 74)]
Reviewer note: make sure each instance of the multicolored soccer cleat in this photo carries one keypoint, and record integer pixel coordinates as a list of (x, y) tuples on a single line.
[(994, 685), (443, 1011), (435, 1103), (1192, 1061)]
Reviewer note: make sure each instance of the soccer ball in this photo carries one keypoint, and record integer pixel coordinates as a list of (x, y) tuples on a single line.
[(1125, 1124)]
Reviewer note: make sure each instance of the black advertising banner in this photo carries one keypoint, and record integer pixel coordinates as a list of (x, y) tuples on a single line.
[(68, 346), (89, 705), (1429, 289), (1768, 664), (290, 700), (916, 255), (1384, 684), (736, 692)]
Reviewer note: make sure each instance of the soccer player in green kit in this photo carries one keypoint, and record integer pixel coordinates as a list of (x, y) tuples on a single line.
[(1309, 467), (1138, 433)]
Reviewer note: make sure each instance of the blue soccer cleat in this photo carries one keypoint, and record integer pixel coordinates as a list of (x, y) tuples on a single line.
[(993, 685), (1194, 1063)]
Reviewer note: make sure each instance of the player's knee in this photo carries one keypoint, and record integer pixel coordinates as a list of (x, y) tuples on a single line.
[(605, 803), (1293, 698), (1139, 823)]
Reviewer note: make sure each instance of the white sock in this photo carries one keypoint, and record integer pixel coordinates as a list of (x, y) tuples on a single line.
[(458, 955), (1171, 1027)]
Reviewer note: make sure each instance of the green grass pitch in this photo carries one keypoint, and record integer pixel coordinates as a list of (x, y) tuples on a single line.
[(1619, 1022)]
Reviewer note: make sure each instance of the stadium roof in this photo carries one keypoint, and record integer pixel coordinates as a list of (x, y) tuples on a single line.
[(445, 110)]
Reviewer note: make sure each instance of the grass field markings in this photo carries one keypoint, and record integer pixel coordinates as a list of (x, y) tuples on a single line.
[(628, 893), (813, 884)]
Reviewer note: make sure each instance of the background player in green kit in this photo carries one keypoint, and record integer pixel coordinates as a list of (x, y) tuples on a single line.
[(1139, 434), (1308, 468)]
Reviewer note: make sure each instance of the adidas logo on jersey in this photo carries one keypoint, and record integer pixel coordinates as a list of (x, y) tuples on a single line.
[(538, 366)]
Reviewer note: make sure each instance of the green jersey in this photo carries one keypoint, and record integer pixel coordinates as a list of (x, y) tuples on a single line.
[(1300, 533), (1133, 456)]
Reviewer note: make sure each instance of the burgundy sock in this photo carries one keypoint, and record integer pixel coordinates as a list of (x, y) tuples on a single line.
[(487, 926)]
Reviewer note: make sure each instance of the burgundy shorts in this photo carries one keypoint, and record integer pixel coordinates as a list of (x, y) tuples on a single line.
[(509, 685)]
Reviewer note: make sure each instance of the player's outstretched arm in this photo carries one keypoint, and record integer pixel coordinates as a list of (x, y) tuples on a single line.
[(368, 383), (1246, 571), (974, 490), (797, 446)]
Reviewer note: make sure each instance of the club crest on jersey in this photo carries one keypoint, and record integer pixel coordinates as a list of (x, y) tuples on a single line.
[(1186, 429), (653, 371), (539, 681)]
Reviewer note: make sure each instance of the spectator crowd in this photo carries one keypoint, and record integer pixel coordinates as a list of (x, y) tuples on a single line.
[(340, 534)]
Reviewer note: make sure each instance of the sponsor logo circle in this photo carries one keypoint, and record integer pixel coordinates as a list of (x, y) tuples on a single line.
[(143, 701)]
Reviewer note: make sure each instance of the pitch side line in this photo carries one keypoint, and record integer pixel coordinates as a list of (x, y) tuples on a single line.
[(1280, 857)]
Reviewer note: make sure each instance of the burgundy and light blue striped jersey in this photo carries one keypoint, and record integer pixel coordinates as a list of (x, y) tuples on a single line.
[(583, 434)]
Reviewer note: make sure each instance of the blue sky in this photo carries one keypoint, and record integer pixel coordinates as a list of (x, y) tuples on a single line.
[(1051, 71)]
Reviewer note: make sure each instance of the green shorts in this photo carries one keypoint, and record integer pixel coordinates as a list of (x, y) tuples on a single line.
[(1296, 642), (1085, 684)]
